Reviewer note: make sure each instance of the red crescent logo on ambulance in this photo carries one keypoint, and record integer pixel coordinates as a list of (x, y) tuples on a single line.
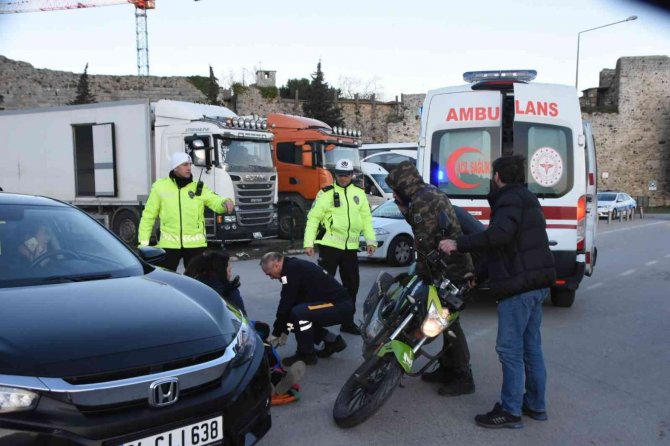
[(452, 162)]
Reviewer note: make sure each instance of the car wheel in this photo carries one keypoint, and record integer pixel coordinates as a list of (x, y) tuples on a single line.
[(561, 297), (614, 214), (401, 251)]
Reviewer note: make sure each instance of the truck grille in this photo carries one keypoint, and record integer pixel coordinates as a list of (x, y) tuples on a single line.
[(254, 199)]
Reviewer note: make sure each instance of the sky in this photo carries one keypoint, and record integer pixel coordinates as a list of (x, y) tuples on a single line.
[(393, 46)]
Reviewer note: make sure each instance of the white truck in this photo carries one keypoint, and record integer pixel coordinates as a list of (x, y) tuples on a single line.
[(465, 128), (104, 158)]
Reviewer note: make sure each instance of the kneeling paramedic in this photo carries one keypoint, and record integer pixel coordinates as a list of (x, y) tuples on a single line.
[(311, 299)]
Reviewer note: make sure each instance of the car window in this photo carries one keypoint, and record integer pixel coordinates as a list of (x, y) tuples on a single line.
[(606, 197), (56, 244), (388, 210)]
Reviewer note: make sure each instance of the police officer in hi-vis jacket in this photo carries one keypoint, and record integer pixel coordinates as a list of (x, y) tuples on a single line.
[(343, 212), (180, 203)]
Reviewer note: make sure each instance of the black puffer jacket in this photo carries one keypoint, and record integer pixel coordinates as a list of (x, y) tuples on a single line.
[(516, 243)]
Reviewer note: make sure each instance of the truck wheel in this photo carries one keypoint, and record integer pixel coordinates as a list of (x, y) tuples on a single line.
[(291, 222), (125, 225), (401, 251), (562, 298)]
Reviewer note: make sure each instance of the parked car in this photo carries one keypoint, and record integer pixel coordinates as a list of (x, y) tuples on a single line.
[(395, 241), (617, 202), (99, 347)]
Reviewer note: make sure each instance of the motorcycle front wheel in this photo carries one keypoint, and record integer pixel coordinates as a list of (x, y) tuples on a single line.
[(366, 390)]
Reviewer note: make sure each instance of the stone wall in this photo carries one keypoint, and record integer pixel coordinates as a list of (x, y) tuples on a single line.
[(23, 86), (634, 143)]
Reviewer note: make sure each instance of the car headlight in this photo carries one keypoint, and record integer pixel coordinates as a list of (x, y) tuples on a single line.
[(436, 322), (381, 231), (16, 400), (243, 344)]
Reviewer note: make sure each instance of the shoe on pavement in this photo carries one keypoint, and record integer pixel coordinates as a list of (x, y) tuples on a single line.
[(462, 384), (439, 375), (499, 418), (350, 328), (293, 375), (310, 359), (534, 414), (331, 347)]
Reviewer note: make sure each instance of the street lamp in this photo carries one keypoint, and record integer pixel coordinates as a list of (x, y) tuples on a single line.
[(579, 34)]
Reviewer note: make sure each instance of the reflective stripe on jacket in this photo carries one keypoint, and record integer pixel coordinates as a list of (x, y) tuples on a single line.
[(344, 223), (181, 213)]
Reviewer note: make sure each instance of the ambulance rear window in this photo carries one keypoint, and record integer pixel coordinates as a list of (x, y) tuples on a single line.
[(550, 159), (461, 160)]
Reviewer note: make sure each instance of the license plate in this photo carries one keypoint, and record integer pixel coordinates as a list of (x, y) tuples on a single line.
[(198, 434), (258, 235)]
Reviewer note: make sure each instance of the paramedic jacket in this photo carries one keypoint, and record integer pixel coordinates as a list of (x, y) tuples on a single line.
[(305, 282)]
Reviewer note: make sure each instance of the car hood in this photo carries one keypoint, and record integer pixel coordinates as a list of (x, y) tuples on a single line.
[(388, 223), (103, 326)]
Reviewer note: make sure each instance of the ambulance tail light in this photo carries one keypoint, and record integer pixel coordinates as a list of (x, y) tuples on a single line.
[(581, 223), (472, 77)]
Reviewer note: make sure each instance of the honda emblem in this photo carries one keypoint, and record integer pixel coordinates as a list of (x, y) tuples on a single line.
[(164, 392)]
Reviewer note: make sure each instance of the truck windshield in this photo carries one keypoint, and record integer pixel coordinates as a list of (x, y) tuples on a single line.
[(247, 156), (340, 152), (461, 160)]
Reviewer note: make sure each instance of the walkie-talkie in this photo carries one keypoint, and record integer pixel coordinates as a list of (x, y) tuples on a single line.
[(198, 187), (336, 199)]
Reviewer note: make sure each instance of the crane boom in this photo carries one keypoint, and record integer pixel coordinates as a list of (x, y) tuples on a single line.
[(141, 30)]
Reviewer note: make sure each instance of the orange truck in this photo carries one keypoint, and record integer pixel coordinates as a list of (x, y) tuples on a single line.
[(305, 153)]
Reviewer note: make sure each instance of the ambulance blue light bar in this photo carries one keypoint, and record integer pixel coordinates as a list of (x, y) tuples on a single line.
[(499, 75)]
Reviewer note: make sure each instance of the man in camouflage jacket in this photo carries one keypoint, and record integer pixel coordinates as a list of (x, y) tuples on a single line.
[(421, 204)]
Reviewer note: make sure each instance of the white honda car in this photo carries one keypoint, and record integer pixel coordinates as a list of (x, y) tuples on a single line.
[(394, 236)]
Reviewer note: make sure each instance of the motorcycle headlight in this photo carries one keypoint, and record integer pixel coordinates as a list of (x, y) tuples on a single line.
[(243, 344), (16, 400), (381, 231), (436, 322)]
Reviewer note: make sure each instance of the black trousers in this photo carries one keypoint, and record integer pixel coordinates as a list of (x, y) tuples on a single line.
[(173, 256), (310, 319), (346, 260), (456, 357)]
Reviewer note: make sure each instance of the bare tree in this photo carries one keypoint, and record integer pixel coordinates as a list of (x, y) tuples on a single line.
[(351, 86)]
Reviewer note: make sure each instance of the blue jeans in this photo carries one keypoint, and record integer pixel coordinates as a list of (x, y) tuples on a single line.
[(519, 347)]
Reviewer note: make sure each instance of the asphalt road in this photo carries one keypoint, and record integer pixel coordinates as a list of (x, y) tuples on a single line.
[(607, 357)]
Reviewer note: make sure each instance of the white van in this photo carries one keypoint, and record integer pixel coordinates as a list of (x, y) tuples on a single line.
[(465, 128), (374, 177)]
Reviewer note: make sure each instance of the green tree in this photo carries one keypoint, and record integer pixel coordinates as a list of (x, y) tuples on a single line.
[(320, 102), (213, 89), (84, 95), (292, 85)]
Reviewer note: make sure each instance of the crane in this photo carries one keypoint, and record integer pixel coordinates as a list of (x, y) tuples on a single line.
[(141, 6)]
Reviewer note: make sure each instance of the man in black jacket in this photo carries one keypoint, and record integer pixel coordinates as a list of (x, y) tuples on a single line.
[(311, 299), (520, 268)]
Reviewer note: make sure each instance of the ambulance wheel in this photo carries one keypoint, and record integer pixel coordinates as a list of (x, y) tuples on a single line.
[(125, 225), (561, 297)]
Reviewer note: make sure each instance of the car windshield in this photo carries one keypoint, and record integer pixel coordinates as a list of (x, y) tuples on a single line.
[(58, 244), (388, 210), (606, 197), (380, 178)]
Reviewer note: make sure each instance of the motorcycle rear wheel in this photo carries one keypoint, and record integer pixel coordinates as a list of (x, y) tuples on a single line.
[(366, 390)]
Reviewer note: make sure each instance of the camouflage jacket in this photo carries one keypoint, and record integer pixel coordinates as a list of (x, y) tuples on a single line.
[(425, 204)]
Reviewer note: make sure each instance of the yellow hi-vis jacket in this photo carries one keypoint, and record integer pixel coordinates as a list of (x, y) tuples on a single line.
[(181, 213), (344, 223)]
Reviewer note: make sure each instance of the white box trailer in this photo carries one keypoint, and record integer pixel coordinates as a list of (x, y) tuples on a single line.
[(104, 158)]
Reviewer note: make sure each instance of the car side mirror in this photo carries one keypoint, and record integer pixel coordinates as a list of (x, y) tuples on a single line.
[(444, 222), (151, 254)]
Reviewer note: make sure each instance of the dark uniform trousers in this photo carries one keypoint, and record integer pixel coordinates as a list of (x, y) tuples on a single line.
[(173, 256), (456, 355), (347, 261), (309, 320)]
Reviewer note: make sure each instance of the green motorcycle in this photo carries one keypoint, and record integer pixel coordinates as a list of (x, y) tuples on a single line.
[(401, 315)]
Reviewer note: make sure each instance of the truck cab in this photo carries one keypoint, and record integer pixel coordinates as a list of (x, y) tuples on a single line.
[(305, 153), (465, 128), (237, 163)]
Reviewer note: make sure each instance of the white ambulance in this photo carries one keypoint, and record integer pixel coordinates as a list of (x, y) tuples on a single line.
[(465, 128)]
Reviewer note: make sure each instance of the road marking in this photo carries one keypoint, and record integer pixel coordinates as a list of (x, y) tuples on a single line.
[(595, 285), (628, 273), (667, 256), (651, 263), (633, 227)]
